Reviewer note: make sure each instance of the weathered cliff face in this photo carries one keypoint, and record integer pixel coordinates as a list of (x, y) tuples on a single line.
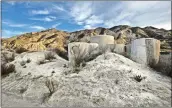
[(53, 38), (43, 40)]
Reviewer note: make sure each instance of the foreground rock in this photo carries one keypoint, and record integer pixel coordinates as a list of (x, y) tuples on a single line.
[(105, 81)]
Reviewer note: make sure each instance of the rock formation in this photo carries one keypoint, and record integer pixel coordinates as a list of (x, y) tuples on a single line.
[(53, 38), (145, 51)]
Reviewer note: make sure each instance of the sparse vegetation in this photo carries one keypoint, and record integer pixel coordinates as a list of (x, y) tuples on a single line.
[(103, 50), (116, 81), (138, 78), (28, 60), (22, 63), (8, 58), (20, 50), (49, 56), (22, 90), (62, 54), (7, 68), (49, 83), (164, 65), (78, 59)]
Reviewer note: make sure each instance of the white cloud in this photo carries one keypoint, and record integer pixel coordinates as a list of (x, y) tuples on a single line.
[(57, 7), (47, 19), (12, 24), (11, 2), (87, 27), (81, 11), (40, 12), (93, 20), (134, 13), (55, 25), (37, 27)]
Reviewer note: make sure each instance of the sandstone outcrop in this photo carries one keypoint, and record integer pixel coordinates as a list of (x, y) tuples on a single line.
[(145, 51), (53, 38)]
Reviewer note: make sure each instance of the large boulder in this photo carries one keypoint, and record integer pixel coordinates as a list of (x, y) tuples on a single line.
[(119, 48), (145, 51), (102, 40), (106, 42)]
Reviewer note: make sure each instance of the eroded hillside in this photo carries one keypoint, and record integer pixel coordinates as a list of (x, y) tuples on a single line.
[(53, 38)]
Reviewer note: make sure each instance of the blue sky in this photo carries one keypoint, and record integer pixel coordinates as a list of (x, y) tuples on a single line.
[(22, 17)]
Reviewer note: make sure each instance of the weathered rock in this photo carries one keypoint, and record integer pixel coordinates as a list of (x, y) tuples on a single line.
[(102, 40), (128, 50), (105, 42), (119, 48), (145, 51), (53, 38)]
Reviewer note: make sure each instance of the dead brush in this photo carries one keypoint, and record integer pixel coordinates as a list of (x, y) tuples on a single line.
[(28, 60), (10, 58), (49, 83), (7, 68), (22, 63), (79, 60), (49, 56)]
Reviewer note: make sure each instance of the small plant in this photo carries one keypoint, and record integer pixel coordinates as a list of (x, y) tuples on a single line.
[(22, 63), (49, 83), (49, 56), (22, 90), (138, 78), (116, 81), (9, 58), (24, 66), (28, 60), (103, 50), (78, 58)]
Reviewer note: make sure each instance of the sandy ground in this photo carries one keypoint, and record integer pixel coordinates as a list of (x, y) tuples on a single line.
[(14, 101), (109, 80)]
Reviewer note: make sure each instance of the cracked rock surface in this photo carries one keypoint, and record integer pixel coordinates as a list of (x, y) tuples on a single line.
[(107, 82)]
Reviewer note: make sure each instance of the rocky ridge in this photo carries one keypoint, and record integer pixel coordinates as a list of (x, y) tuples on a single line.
[(52, 38)]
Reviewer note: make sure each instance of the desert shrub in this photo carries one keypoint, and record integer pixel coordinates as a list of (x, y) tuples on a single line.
[(93, 56), (7, 68), (49, 55), (103, 50), (28, 60), (78, 58), (138, 78), (164, 65), (62, 54), (49, 83), (8, 58), (22, 90), (22, 63), (20, 50)]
